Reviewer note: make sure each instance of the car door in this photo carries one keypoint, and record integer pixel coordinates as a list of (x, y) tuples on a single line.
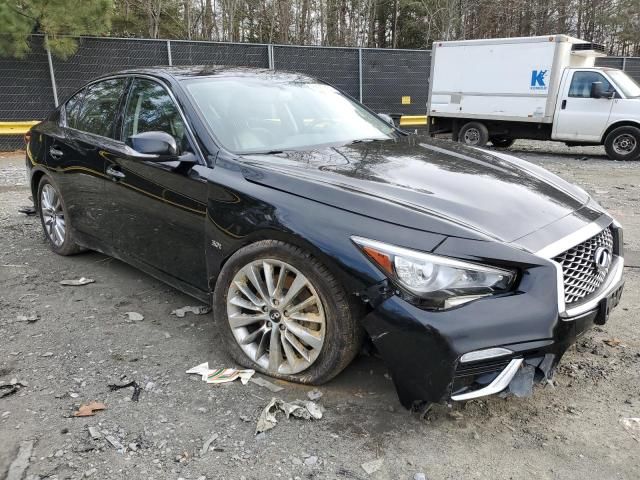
[(158, 209), (87, 129), (580, 117)]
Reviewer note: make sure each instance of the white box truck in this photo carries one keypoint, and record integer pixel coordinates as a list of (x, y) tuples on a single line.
[(544, 88)]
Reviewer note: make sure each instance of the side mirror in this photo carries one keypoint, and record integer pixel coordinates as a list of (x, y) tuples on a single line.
[(597, 90), (159, 146)]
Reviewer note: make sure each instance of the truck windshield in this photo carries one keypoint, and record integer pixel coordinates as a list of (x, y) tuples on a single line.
[(625, 83), (260, 114)]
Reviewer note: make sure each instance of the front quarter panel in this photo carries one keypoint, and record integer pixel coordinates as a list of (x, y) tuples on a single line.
[(241, 212)]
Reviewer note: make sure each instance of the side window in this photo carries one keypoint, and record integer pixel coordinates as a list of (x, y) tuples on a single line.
[(150, 108), (100, 107), (581, 84), (72, 108)]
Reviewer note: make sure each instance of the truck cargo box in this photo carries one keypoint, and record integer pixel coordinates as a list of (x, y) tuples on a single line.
[(514, 79)]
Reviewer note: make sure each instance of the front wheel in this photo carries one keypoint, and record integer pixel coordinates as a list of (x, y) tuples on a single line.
[(284, 314), (623, 143), (474, 134)]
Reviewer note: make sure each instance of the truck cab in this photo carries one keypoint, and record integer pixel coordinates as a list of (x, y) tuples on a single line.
[(541, 88), (593, 102)]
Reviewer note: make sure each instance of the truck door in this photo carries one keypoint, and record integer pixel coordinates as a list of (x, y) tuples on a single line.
[(578, 116)]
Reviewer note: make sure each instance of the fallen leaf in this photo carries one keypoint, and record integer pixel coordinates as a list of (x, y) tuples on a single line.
[(613, 342), (89, 409), (199, 310)]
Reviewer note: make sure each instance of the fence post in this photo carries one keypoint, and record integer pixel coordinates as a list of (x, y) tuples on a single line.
[(624, 64), (270, 56), (169, 53), (51, 74), (360, 72)]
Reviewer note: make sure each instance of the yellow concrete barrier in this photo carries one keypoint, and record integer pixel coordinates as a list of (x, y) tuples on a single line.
[(413, 120), (16, 128)]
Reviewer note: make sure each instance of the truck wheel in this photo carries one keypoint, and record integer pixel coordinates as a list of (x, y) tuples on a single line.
[(474, 134), (281, 312), (502, 142), (623, 143)]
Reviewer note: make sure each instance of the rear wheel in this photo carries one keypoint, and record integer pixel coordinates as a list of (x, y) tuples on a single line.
[(284, 314), (54, 218), (474, 134), (623, 143), (502, 142)]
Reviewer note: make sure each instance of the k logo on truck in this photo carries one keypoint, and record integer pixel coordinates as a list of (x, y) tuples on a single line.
[(537, 79)]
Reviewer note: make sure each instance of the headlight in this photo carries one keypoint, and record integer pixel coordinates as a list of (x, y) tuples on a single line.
[(439, 282)]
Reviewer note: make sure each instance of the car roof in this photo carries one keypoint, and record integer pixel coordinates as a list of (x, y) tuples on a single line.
[(197, 71)]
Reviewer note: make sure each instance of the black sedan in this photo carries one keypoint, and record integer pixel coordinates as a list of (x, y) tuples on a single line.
[(312, 225)]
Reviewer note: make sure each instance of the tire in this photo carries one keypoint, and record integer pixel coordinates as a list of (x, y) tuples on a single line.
[(474, 134), (63, 244), (502, 142), (342, 334), (623, 143)]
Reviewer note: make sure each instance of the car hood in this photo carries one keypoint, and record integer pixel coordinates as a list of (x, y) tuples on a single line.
[(485, 194)]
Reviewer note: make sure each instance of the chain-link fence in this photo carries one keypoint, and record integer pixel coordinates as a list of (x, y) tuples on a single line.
[(387, 80)]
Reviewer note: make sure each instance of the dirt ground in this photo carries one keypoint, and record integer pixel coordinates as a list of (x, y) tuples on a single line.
[(82, 341)]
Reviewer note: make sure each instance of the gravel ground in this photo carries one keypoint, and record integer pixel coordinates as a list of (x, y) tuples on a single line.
[(82, 341)]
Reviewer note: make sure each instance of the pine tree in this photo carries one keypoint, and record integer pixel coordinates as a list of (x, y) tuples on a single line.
[(58, 20)]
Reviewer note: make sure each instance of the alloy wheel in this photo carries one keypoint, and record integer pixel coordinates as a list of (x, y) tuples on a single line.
[(53, 215), (276, 316)]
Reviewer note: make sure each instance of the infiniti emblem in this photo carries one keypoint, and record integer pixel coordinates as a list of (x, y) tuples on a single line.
[(275, 315), (602, 258)]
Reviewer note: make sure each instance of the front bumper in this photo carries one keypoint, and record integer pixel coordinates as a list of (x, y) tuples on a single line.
[(424, 349)]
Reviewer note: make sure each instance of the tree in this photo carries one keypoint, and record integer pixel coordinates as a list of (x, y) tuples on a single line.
[(59, 20)]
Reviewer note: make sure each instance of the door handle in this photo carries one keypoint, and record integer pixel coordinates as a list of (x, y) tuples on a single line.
[(115, 174), (56, 153), (563, 105)]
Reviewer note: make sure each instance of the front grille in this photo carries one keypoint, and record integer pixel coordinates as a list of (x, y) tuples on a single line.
[(581, 275)]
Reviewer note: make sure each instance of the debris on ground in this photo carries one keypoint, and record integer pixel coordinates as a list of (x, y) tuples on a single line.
[(94, 433), (267, 384), (199, 310), (613, 342), (77, 283), (207, 444), (11, 388), (136, 389), (314, 395), (221, 375), (89, 409), (373, 466), (28, 318), (299, 409), (134, 316), (27, 210), (631, 424), (114, 442), (419, 476), (21, 462)]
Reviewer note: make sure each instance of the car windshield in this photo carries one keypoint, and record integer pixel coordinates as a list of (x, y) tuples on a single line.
[(625, 83), (250, 114)]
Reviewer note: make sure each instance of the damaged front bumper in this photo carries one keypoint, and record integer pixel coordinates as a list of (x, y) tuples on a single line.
[(488, 346)]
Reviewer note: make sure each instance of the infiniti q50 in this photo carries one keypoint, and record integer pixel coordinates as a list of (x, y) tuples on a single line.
[(312, 225)]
